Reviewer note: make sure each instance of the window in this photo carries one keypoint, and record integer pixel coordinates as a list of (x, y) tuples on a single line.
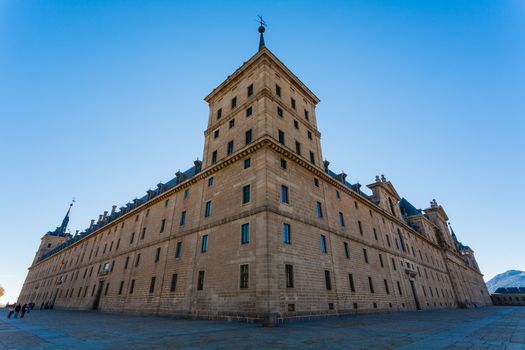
[(216, 134), (250, 90), (120, 287), (400, 236), (244, 277), (381, 260), (284, 194), (219, 113), (137, 260), (214, 157), (152, 285), (200, 281), (278, 90), (365, 255), (232, 123), (323, 244), (248, 136), (157, 255), (375, 234), (370, 284), (186, 193), (316, 182), (337, 194), (388, 240), (280, 112), (399, 288), (178, 251), (207, 209), (183, 218), (387, 290), (204, 244), (162, 225), (211, 181), (143, 234), (356, 205), (131, 287), (309, 134), (351, 280), (234, 102), (395, 267), (292, 100), (298, 147), (312, 157), (230, 147), (360, 227), (247, 163), (166, 204), (319, 210), (287, 234), (283, 164), (132, 238), (391, 206), (296, 124), (245, 233), (173, 285), (347, 250), (327, 280), (249, 111), (341, 219), (289, 276), (281, 137), (306, 115), (246, 194)]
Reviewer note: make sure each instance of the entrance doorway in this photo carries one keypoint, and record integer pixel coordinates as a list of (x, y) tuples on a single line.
[(414, 292), (98, 295)]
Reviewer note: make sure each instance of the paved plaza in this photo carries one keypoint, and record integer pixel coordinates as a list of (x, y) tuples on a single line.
[(484, 328)]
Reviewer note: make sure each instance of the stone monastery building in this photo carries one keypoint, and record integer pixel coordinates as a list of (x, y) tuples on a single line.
[(259, 230)]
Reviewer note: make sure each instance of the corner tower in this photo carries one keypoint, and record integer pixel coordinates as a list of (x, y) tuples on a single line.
[(53, 238)]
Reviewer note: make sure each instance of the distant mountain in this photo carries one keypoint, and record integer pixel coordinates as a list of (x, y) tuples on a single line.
[(511, 278)]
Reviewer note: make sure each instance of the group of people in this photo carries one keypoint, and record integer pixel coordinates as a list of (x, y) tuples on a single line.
[(20, 309)]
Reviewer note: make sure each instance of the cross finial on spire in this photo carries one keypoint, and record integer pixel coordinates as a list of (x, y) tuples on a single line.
[(262, 25)]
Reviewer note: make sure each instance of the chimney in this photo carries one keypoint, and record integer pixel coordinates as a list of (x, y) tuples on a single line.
[(99, 218), (105, 215), (326, 164), (92, 223), (76, 232), (113, 209)]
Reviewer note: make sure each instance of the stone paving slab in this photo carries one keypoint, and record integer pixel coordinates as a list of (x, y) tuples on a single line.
[(484, 328)]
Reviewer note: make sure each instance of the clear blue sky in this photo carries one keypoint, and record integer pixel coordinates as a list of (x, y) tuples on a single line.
[(100, 100)]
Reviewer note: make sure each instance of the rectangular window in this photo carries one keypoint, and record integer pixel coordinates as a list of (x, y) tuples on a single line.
[(245, 233), (230, 148), (287, 234), (381, 260), (306, 115), (341, 219), (394, 264), (292, 100), (173, 286), (162, 225), (200, 281), (388, 240), (347, 250), (157, 255), (178, 251), (312, 157), (309, 133), (219, 113), (244, 277), (186, 193), (365, 255), (319, 210), (400, 236), (216, 134), (132, 287), (351, 280), (323, 244), (316, 182), (132, 239), (387, 290), (298, 147), (296, 124), (137, 260), (283, 164), (280, 112), (248, 136), (284, 194), (399, 288), (375, 234), (152, 285), (246, 194), (370, 284), (234, 102), (360, 227), (207, 209), (214, 157), (247, 163), (143, 233), (327, 280), (250, 90), (278, 90), (204, 244), (232, 123), (166, 204), (211, 181), (183, 218), (289, 276), (249, 111), (281, 137), (120, 287)]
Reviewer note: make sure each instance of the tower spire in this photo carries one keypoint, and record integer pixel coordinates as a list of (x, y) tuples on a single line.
[(61, 230), (262, 29)]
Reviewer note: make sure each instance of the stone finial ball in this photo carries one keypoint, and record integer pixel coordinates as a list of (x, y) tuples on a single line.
[(261, 29)]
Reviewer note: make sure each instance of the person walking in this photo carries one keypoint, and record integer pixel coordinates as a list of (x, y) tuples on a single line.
[(17, 310), (23, 310), (11, 310)]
